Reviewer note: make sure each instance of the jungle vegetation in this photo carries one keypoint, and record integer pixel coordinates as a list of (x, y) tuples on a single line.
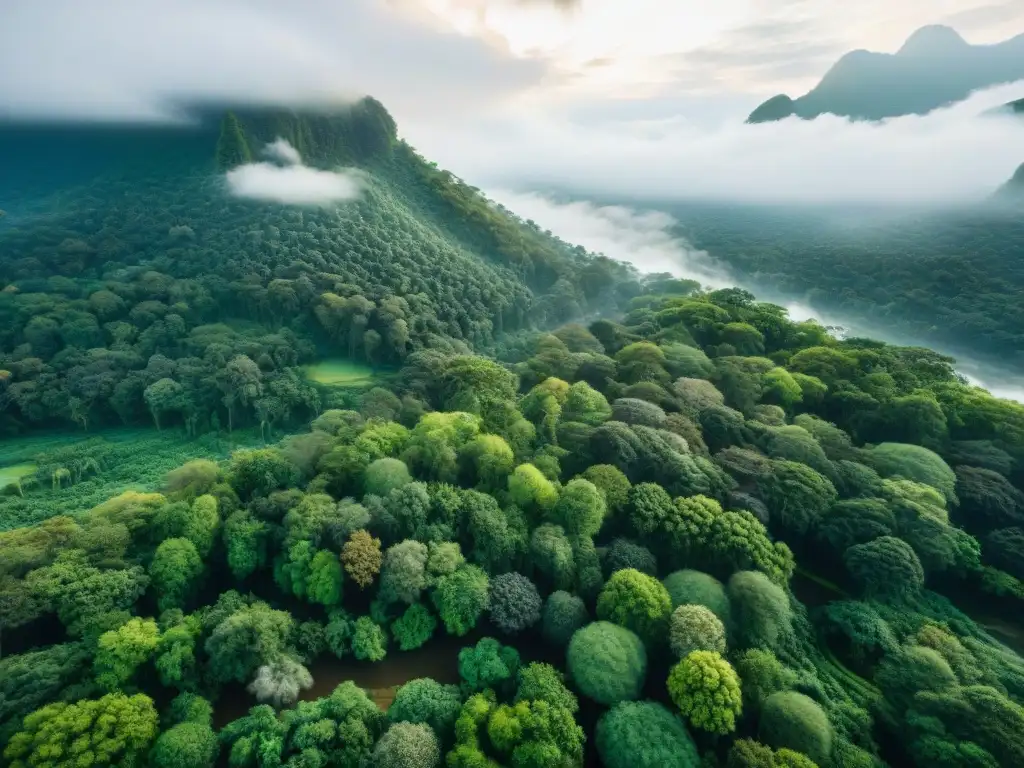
[(685, 531)]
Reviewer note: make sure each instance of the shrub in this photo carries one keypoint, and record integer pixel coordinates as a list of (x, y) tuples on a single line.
[(607, 662), (795, 721)]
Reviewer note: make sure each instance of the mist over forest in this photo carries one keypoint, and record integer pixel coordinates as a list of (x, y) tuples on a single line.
[(511, 384)]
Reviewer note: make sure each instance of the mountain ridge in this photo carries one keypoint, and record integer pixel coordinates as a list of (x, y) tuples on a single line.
[(934, 67)]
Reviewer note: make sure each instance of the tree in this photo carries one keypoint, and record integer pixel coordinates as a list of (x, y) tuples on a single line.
[(795, 721), (762, 675), (608, 663), (426, 701), (403, 572), (488, 664), (542, 682), (612, 483), (369, 640), (644, 734), (695, 628), (406, 745), (914, 462), (885, 567), (530, 490), (384, 475), (414, 627), (185, 745), (580, 509), (460, 598), (120, 728), (514, 603), (175, 571), (689, 587), (987, 500), (362, 558), (165, 396), (760, 607), (706, 689), (120, 652), (552, 554), (324, 584), (623, 554), (563, 615), (232, 148), (638, 602), (280, 681), (796, 495), (251, 636)]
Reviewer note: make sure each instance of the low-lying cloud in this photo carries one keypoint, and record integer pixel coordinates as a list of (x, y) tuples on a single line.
[(641, 238), (283, 152), (292, 183), (953, 155)]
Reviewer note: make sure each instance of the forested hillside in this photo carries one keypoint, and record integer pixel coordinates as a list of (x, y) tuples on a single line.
[(698, 535), (954, 279), (134, 289)]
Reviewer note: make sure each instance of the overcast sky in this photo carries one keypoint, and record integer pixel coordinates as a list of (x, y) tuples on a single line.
[(598, 94)]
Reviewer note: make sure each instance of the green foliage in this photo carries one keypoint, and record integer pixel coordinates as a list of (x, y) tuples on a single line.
[(796, 495), (384, 475), (117, 727), (542, 682), (624, 553), (581, 508), (247, 639), (121, 651), (885, 567), (175, 572), (917, 463), (186, 745), (695, 628), (644, 734), (406, 745), (563, 615), (795, 721), (638, 602), (460, 599), (761, 609), (514, 603), (369, 640), (414, 627), (488, 664), (607, 663), (426, 701), (688, 587), (706, 689), (612, 483), (762, 675)]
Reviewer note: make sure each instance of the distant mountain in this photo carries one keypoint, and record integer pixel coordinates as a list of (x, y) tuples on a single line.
[(935, 67)]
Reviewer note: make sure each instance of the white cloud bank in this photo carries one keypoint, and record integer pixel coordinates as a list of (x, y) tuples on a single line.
[(949, 156), (292, 183)]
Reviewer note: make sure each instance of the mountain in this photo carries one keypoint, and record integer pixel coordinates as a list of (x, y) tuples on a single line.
[(124, 262), (934, 67)]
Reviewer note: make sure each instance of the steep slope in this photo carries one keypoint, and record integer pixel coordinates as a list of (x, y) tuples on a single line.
[(124, 262), (933, 68)]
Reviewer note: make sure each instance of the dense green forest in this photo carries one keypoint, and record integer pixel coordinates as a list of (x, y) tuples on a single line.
[(617, 519), (133, 289), (953, 280)]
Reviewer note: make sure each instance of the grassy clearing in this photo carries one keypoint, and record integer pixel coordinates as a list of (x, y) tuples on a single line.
[(15, 472), (340, 373), (99, 465)]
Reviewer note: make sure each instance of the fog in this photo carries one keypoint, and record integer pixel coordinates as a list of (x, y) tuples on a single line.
[(646, 241), (950, 156), (292, 183)]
